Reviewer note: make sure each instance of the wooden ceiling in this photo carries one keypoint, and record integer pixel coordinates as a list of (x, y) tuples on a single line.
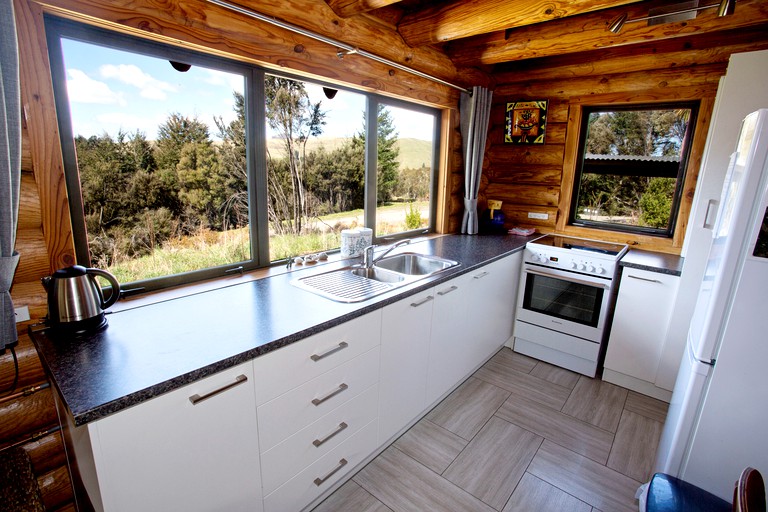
[(497, 35), (468, 42)]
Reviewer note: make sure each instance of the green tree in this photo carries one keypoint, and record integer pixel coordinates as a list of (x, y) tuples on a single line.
[(387, 168), (656, 203), (233, 166), (296, 119)]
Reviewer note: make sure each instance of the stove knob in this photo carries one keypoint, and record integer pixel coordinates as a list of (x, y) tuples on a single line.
[(590, 268), (600, 270), (581, 266), (573, 264)]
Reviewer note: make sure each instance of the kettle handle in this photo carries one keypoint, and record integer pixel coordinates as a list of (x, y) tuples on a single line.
[(112, 280)]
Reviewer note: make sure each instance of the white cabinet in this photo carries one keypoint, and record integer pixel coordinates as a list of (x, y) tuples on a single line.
[(491, 306), (472, 318), (634, 357), (172, 454), (451, 329), (318, 410), (405, 333)]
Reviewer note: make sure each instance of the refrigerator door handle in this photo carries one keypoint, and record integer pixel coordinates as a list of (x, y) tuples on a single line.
[(711, 210)]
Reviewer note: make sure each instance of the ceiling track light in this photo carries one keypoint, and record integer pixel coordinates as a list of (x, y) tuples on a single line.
[(724, 8)]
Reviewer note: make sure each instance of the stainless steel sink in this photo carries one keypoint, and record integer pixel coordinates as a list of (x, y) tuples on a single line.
[(357, 283), (414, 264)]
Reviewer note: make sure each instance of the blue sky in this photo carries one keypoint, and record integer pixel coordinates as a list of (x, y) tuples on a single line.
[(111, 90)]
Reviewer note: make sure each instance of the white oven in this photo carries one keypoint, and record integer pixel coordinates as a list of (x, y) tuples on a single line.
[(565, 300)]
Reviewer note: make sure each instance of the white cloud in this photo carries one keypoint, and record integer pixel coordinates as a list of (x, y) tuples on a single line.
[(83, 89), (112, 122), (222, 78), (149, 87)]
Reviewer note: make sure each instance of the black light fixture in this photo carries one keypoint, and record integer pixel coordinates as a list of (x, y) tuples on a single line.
[(329, 93), (180, 66), (724, 8)]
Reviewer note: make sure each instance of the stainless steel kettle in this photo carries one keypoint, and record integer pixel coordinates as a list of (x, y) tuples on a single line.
[(75, 300)]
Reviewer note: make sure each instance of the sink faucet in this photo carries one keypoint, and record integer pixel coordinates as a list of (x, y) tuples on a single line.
[(369, 260)]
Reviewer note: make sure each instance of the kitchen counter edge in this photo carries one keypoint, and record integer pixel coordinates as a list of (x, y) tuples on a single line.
[(80, 388)]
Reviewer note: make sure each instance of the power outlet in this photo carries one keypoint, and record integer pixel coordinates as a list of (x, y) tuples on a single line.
[(22, 313), (540, 216)]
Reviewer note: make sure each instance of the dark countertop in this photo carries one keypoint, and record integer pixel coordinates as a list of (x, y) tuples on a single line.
[(152, 349), (653, 262)]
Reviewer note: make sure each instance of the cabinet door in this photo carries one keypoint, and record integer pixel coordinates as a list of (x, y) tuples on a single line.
[(406, 327), (491, 307), (171, 454), (451, 328), (640, 324)]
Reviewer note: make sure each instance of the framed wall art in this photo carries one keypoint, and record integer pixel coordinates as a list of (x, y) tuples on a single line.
[(526, 122)]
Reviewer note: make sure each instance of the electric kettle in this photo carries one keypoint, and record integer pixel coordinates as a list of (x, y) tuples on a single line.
[(75, 301)]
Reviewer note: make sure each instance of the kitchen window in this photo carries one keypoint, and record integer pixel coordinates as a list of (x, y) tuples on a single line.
[(183, 166), (631, 167)]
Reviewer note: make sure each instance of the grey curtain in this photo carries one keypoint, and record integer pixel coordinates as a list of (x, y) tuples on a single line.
[(10, 168), (475, 113)]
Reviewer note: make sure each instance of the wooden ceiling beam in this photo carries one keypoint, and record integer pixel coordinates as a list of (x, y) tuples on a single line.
[(589, 32), (349, 8), (461, 18), (696, 50)]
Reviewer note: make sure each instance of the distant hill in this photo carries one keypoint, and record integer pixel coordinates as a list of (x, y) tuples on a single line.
[(413, 152)]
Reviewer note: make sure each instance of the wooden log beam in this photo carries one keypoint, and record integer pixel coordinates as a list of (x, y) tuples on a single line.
[(347, 8), (46, 453), (212, 29), (695, 50), (56, 488), (461, 18), (589, 32), (26, 416), (31, 371)]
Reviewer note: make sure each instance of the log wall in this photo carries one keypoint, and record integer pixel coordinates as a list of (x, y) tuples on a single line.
[(539, 178)]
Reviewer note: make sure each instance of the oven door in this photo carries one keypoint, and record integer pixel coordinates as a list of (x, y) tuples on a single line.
[(564, 301)]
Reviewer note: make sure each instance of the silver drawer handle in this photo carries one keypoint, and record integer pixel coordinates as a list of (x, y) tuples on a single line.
[(317, 357), (318, 401), (644, 279), (449, 290), (318, 442), (481, 275), (422, 302), (319, 480), (196, 399)]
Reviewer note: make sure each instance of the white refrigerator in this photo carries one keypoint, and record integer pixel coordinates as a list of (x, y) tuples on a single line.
[(718, 416)]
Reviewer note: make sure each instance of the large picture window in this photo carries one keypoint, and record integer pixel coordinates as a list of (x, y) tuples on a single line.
[(183, 166), (631, 167)]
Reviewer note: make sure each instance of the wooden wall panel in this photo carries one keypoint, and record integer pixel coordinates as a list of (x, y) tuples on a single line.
[(532, 178)]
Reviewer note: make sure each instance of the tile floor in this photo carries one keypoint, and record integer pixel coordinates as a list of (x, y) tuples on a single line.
[(519, 435)]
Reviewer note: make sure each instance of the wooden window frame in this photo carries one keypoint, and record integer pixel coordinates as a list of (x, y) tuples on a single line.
[(671, 245), (680, 172)]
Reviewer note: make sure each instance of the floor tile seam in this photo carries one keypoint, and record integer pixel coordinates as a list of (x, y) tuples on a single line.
[(548, 382), (649, 416), (555, 486), (541, 442), (467, 445), (439, 475), (594, 506), (613, 434), (469, 441), (545, 438), (613, 444)]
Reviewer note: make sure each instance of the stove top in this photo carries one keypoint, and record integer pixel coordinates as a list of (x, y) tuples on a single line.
[(567, 243)]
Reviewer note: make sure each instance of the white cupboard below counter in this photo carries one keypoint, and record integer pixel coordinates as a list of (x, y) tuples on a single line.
[(638, 356)]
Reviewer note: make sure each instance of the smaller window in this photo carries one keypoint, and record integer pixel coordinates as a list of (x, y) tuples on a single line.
[(631, 167)]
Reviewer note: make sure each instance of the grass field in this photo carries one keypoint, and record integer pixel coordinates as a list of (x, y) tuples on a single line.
[(210, 249)]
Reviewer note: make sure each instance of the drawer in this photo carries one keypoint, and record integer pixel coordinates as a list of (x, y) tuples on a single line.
[(291, 366), (294, 410), (302, 489), (303, 448)]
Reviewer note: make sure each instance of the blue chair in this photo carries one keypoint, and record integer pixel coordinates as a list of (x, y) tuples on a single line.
[(669, 494)]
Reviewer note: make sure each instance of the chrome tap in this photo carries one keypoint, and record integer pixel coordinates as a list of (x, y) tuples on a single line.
[(369, 260)]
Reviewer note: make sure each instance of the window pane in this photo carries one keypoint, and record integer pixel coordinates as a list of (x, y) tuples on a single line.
[(405, 155), (315, 165), (162, 165), (631, 164)]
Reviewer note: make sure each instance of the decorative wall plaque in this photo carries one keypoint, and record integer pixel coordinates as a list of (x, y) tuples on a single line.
[(526, 122)]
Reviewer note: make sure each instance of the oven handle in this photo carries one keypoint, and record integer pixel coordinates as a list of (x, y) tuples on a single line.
[(605, 286)]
